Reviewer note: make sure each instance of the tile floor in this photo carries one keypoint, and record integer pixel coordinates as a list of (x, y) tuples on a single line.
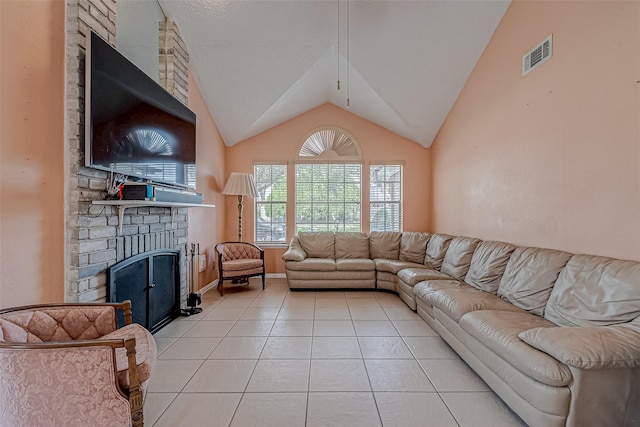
[(281, 358)]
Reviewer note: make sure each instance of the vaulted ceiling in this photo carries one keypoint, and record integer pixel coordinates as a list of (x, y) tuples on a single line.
[(400, 63)]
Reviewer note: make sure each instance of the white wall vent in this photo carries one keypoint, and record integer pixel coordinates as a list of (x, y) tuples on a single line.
[(537, 56)]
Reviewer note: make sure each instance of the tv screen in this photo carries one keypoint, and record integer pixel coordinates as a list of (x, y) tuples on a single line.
[(134, 126)]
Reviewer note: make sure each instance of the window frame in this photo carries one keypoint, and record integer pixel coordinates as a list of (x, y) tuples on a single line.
[(387, 203), (258, 202)]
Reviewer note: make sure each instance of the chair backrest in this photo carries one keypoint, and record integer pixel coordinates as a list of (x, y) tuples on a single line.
[(56, 323), (230, 251)]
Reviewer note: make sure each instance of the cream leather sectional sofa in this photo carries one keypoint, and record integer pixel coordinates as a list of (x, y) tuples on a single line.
[(555, 335)]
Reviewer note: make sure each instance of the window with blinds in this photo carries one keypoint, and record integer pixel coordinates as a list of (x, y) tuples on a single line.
[(385, 198), (271, 203)]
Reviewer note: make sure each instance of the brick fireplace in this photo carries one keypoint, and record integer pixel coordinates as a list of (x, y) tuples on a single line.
[(93, 239)]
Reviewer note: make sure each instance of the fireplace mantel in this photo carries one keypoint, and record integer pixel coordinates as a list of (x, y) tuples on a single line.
[(124, 204)]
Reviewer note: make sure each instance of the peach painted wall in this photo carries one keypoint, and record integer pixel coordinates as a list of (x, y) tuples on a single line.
[(206, 225), (279, 144), (553, 158), (32, 152)]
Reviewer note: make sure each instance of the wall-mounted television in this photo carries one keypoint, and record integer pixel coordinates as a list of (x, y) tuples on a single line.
[(133, 125)]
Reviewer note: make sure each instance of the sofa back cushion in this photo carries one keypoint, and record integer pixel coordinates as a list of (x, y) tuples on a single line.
[(487, 265), (458, 257), (352, 245), (318, 244), (595, 291), (384, 244), (529, 277), (436, 250), (413, 246)]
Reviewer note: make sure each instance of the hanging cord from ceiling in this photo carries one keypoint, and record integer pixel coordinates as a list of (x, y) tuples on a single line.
[(338, 44), (348, 62)]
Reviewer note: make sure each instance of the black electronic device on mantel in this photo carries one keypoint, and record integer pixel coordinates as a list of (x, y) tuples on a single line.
[(133, 125)]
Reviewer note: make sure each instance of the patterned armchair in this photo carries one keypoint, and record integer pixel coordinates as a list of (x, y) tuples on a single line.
[(239, 260), (69, 365)]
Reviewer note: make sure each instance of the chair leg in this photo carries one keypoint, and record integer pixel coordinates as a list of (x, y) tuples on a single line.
[(220, 287), (263, 281)]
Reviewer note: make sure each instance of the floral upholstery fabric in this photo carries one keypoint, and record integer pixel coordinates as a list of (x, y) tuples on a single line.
[(47, 387), (57, 324), (146, 353)]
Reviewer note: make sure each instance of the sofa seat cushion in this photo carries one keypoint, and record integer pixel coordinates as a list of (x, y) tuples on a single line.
[(312, 264), (349, 264), (457, 302), (146, 353), (393, 266), (422, 289), (413, 276), (498, 331)]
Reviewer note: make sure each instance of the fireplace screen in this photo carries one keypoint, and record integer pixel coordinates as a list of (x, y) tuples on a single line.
[(151, 281)]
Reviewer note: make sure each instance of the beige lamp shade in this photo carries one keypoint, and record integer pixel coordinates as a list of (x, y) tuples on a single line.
[(240, 184)]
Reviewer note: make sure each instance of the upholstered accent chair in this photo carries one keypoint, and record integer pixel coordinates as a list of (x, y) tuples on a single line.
[(70, 365), (238, 261)]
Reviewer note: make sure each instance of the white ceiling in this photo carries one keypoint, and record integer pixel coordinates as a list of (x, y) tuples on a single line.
[(260, 63)]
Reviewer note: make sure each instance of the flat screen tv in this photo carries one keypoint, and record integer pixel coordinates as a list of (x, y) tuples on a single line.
[(133, 125)]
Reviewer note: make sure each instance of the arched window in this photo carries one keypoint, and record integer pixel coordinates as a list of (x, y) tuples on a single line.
[(328, 182)]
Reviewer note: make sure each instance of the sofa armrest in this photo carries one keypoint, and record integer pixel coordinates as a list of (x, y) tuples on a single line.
[(295, 251), (589, 347)]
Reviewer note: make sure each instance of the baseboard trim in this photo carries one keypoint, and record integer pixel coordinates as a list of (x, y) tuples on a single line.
[(209, 287), (275, 276)]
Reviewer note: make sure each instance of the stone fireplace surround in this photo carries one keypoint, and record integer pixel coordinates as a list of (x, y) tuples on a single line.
[(93, 242)]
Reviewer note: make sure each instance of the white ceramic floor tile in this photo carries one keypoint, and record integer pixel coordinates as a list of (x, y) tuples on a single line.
[(155, 404), (397, 375), (332, 313), (299, 303), (280, 376), (164, 343), (172, 375), (331, 302), (216, 376), (175, 329), (430, 348), (374, 328), (200, 409), (333, 328), (251, 328), (267, 302), (190, 348), (335, 348), (367, 313), (414, 328), (219, 313), (287, 348), (390, 300), (363, 303), (452, 375), (287, 313), (413, 409), (292, 328), (338, 375), (341, 410), (239, 348), (271, 410), (384, 348), (209, 328), (480, 409), (260, 313), (360, 294), (235, 303), (400, 313)]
